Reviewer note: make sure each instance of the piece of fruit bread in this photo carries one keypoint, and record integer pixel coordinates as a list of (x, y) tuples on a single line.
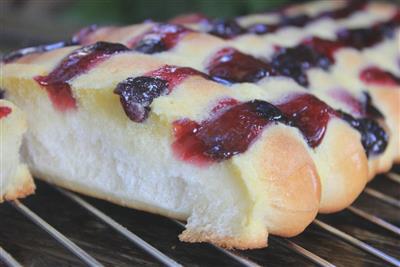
[(223, 125), (324, 50), (15, 179)]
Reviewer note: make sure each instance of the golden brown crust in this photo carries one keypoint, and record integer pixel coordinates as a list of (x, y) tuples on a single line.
[(24, 188), (343, 166), (289, 183), (193, 236)]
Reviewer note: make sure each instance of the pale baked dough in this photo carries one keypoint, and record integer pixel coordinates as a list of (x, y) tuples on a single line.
[(15, 179)]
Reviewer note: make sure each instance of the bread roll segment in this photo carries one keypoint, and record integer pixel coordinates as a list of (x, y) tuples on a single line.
[(16, 181), (276, 185), (234, 203), (205, 45)]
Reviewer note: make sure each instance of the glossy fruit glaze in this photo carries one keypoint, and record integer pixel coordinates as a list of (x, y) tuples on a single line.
[(79, 61), (377, 76), (232, 66), (228, 132), (233, 126), (5, 111), (160, 38)]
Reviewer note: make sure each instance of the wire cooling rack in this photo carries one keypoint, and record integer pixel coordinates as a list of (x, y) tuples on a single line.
[(56, 227)]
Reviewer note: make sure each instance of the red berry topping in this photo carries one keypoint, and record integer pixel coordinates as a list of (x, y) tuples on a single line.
[(175, 75), (323, 46), (4, 112), (310, 115), (231, 66), (160, 38), (78, 62), (377, 76), (224, 104), (228, 133)]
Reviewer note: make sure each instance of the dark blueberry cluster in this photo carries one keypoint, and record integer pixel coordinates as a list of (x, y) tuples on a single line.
[(136, 95), (295, 61), (373, 137), (269, 111), (226, 29), (370, 110), (360, 38), (297, 21), (151, 45)]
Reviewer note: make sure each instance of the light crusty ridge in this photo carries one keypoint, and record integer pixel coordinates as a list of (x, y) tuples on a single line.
[(271, 188)]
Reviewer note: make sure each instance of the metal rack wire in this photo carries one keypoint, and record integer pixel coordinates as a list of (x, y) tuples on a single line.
[(238, 257)]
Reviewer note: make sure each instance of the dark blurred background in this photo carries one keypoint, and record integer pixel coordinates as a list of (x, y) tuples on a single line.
[(31, 22)]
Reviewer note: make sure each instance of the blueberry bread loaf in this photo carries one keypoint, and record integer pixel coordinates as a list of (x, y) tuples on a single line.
[(243, 127), (15, 179)]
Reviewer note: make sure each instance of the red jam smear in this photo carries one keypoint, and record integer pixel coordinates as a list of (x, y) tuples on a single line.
[(229, 132), (377, 76), (159, 38), (5, 111), (310, 115), (233, 127), (78, 62), (323, 46), (224, 104), (175, 75), (232, 66)]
